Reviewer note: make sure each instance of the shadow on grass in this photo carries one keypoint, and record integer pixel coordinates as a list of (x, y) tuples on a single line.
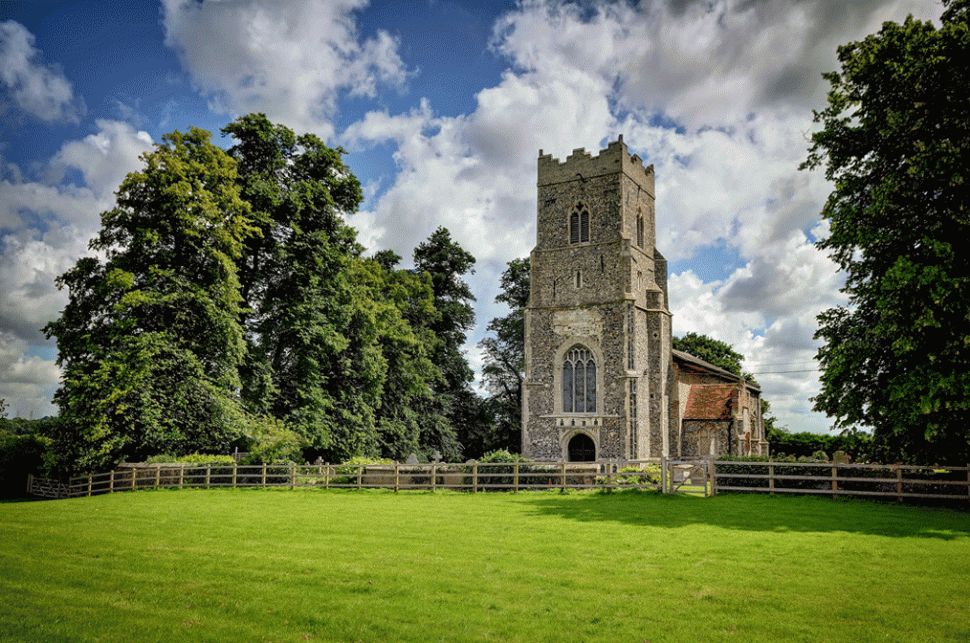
[(10, 500), (749, 512)]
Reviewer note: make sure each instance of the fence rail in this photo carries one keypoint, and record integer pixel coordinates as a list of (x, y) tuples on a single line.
[(472, 477), (873, 480), (701, 476)]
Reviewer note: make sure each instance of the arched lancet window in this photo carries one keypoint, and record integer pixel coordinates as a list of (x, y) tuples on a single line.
[(578, 381), (579, 224)]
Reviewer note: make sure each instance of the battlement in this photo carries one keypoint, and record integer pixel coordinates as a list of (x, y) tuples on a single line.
[(582, 165)]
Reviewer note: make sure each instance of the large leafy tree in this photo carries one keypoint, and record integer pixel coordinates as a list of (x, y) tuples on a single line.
[(504, 355), (150, 341), (311, 359), (455, 410), (895, 141), (398, 300)]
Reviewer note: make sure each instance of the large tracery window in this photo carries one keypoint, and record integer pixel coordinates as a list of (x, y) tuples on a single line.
[(579, 224), (579, 381)]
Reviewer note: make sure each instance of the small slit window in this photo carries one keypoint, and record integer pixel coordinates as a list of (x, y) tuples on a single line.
[(579, 224), (639, 227)]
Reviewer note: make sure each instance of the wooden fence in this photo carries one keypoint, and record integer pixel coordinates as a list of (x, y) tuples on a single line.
[(898, 482), (473, 477), (701, 476)]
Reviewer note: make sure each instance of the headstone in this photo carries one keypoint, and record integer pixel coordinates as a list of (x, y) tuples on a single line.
[(840, 457), (437, 456), (412, 459)]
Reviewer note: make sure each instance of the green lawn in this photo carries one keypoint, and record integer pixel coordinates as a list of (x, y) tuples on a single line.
[(279, 565)]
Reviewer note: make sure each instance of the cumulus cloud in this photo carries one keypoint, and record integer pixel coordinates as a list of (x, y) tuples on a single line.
[(27, 382), (717, 95), (701, 64), (290, 60), (46, 227), (35, 88), (475, 174)]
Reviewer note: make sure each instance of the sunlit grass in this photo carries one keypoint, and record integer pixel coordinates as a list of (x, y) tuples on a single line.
[(280, 565)]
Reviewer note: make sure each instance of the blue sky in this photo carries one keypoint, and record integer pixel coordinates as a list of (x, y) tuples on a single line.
[(443, 107)]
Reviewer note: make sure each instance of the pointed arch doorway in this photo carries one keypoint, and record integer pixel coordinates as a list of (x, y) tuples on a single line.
[(581, 448)]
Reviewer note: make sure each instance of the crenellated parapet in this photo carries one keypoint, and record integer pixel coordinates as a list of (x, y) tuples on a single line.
[(583, 165)]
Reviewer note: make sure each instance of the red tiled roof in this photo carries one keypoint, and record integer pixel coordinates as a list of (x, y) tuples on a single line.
[(710, 402)]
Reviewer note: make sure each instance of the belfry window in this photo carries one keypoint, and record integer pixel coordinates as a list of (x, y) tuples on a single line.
[(579, 224), (579, 381)]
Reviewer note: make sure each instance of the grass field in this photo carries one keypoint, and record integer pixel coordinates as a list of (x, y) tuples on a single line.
[(280, 565)]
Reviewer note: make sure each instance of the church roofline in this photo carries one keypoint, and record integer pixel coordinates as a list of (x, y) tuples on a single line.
[(713, 370)]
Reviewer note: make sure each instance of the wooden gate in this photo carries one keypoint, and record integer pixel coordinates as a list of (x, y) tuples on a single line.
[(690, 475)]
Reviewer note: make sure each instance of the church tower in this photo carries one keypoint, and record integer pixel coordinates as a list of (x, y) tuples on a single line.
[(598, 372)]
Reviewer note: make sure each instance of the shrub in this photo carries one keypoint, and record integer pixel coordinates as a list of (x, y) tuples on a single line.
[(206, 458), (501, 478), (634, 476), (162, 458), (272, 443)]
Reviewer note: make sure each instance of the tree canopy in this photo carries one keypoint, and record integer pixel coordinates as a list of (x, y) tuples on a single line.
[(895, 141), (150, 341), (231, 304), (504, 354)]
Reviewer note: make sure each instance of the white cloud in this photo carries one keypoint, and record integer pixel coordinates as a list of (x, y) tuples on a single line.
[(701, 64), (39, 90), (103, 158), (290, 60), (27, 383), (475, 174), (46, 228)]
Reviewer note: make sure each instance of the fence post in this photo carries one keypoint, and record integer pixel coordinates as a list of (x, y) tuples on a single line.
[(263, 479), (709, 489), (434, 476), (181, 476), (899, 484), (208, 474), (30, 483), (326, 479), (397, 476), (771, 479), (234, 466), (475, 478), (360, 474), (134, 476), (90, 477), (158, 475), (835, 482), (562, 479), (111, 482), (515, 478), (663, 474), (293, 476)]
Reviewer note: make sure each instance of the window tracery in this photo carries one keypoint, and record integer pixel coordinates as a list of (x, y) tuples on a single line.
[(579, 381)]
